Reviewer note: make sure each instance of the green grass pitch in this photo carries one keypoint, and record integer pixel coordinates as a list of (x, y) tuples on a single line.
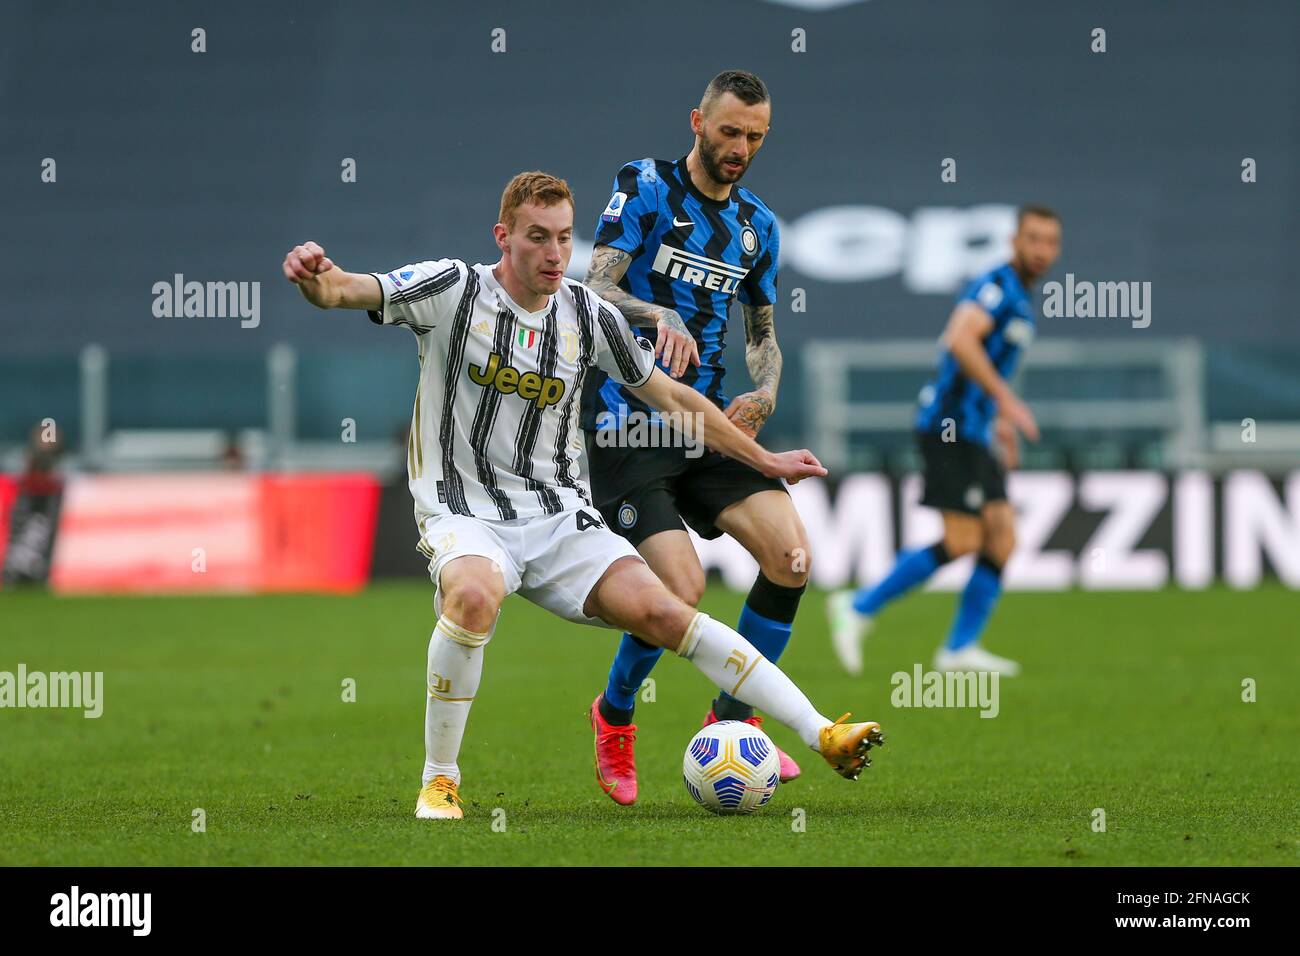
[(1130, 702)]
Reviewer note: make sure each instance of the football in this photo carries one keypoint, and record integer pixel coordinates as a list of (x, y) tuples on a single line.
[(731, 767)]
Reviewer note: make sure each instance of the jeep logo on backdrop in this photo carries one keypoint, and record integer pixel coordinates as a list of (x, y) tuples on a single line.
[(933, 251)]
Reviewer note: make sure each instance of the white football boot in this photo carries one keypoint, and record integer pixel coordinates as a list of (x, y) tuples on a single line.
[(848, 630), (972, 657)]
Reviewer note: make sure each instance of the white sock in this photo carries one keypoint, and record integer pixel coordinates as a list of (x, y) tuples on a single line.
[(455, 666), (736, 666)]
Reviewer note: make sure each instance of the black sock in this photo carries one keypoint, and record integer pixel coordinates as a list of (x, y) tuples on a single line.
[(941, 556), (728, 708), (774, 601), (612, 714)]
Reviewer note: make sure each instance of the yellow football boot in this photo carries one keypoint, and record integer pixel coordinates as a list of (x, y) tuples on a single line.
[(439, 800), (845, 746)]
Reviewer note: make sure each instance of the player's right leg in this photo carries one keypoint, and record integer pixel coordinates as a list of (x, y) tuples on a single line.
[(766, 523), (473, 573), (629, 596), (851, 613), (951, 473), (962, 651), (672, 558), (632, 488)]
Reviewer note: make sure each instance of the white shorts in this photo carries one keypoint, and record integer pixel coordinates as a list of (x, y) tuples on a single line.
[(551, 560)]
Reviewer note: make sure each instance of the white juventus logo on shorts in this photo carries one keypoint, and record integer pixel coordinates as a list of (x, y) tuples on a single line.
[(698, 270)]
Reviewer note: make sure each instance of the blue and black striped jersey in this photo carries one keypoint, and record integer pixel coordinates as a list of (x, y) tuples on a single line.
[(950, 395), (689, 253)]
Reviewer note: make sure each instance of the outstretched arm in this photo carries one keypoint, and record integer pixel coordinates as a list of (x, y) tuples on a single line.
[(715, 431), (674, 344), (763, 357), (325, 285)]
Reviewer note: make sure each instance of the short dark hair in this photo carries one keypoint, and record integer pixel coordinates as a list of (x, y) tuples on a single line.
[(745, 86), (1035, 209)]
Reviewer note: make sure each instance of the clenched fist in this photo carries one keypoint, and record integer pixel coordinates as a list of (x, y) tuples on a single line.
[(306, 262)]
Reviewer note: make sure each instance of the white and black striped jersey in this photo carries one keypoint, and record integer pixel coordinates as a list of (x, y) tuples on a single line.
[(494, 432)]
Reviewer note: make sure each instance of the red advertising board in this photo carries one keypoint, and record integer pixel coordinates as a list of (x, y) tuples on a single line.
[(8, 492), (152, 533)]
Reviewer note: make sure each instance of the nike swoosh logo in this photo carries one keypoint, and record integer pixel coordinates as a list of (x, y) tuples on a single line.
[(679, 224)]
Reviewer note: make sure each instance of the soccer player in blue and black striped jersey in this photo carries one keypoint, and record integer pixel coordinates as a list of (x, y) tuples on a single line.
[(678, 242), (967, 411)]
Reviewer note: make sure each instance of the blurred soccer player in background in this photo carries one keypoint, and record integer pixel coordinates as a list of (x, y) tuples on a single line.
[(967, 430)]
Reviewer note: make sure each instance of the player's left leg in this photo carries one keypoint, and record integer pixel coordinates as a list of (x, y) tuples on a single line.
[(768, 526), (629, 596), (962, 651), (577, 568)]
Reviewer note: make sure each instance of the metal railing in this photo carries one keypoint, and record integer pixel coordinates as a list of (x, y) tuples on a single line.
[(275, 446), (832, 416)]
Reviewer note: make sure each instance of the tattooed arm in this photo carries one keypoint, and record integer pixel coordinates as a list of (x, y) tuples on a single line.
[(763, 357), (674, 344), (603, 275)]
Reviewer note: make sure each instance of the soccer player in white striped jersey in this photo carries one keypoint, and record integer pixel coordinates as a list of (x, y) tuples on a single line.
[(493, 468)]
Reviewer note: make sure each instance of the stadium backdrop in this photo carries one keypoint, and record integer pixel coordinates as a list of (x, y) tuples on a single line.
[(1095, 530)]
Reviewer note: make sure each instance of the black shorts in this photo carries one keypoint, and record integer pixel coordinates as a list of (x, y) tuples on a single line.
[(642, 491), (960, 475)]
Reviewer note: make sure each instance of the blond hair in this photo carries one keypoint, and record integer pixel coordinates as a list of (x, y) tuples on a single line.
[(538, 188)]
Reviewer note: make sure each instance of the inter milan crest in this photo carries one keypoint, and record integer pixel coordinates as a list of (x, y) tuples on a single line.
[(748, 239)]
